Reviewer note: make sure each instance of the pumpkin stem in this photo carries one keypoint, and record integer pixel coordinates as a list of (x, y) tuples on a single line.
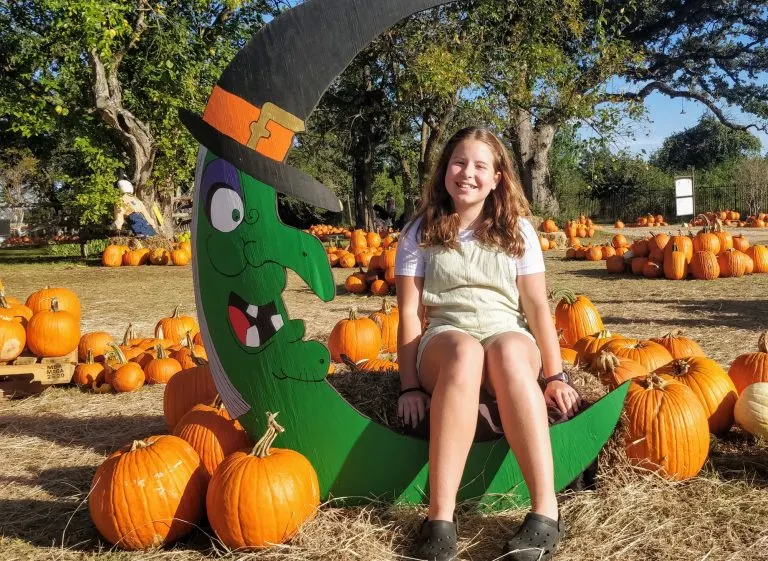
[(652, 382), (680, 367), (353, 314), (261, 450), (674, 334), (217, 403), (188, 340), (118, 353), (129, 334), (386, 307), (138, 444), (54, 304), (608, 362), (762, 342), (563, 294), (89, 357), (160, 351), (3, 302), (175, 313)]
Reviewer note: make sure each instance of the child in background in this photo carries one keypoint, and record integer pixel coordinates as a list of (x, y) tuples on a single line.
[(471, 262)]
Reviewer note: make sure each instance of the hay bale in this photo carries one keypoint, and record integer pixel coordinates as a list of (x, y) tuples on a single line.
[(150, 242)]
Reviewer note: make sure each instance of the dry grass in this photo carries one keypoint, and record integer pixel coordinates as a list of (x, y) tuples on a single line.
[(52, 443)]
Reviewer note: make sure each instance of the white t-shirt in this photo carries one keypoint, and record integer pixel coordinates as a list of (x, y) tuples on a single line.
[(410, 261)]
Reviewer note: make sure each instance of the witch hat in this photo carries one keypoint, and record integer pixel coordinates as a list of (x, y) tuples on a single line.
[(267, 92)]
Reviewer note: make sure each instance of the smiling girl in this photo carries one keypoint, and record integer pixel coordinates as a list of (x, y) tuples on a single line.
[(471, 263)]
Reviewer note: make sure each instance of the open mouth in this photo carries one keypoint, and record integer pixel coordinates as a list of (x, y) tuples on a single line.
[(253, 325)]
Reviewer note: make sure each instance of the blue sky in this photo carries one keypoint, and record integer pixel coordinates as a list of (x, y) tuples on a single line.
[(664, 119)]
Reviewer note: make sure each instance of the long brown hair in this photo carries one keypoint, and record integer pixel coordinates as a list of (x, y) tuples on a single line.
[(500, 227)]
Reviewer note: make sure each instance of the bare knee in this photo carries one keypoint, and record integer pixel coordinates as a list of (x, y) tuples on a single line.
[(512, 358), (463, 361)]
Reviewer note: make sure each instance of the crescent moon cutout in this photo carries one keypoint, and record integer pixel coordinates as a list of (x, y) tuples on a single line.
[(259, 358)]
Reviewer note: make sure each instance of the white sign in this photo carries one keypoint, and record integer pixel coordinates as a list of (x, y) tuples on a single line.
[(684, 187), (684, 206)]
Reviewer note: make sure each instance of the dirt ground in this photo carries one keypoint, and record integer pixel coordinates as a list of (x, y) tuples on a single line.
[(52, 443)]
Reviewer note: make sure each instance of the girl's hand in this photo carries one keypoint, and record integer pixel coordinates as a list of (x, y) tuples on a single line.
[(564, 397), (412, 407)]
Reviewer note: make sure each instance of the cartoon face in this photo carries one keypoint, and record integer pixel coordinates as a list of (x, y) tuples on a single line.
[(242, 252)]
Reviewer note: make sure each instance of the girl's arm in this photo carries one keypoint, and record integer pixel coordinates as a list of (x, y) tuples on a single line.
[(533, 298), (409, 327)]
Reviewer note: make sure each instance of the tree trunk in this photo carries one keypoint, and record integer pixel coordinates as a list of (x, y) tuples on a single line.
[(531, 146), (132, 136)]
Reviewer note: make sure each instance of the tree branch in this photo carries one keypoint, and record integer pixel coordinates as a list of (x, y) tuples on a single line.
[(138, 30)]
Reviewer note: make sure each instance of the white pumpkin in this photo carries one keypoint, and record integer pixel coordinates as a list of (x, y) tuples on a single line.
[(751, 410)]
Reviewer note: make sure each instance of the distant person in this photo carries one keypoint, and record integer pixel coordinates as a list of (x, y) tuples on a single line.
[(131, 211)]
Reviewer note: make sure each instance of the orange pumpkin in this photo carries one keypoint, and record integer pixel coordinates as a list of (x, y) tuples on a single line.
[(614, 371), (180, 257), (53, 333), (677, 345), (68, 301), (159, 370), (112, 256), (97, 342), (212, 433), (388, 322), (89, 373), (379, 287), (126, 376), (175, 327), (186, 389), (712, 386), (667, 427), (704, 265), (263, 497), (577, 316), (148, 494), (358, 338), (590, 345), (12, 339), (759, 256), (750, 368), (159, 256), (651, 355), (14, 312)]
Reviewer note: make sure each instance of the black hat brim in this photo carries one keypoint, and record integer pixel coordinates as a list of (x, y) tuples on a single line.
[(282, 177)]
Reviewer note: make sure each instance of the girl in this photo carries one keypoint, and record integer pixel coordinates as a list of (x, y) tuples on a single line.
[(471, 263)]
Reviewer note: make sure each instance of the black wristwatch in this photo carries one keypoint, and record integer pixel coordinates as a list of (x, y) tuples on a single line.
[(559, 377)]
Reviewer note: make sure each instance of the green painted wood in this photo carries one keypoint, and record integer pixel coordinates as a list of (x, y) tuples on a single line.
[(354, 456), (259, 357)]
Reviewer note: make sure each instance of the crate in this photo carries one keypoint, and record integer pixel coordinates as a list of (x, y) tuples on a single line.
[(28, 375)]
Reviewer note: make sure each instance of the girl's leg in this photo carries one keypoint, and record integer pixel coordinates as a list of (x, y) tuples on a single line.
[(512, 363), (451, 369)]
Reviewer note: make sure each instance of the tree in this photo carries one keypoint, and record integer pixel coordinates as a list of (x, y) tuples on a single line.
[(705, 145), (18, 174), (102, 81), (544, 63), (752, 176)]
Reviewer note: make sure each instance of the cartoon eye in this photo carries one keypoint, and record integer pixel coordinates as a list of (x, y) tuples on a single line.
[(225, 208)]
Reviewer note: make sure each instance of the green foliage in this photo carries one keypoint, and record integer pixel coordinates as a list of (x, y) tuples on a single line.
[(93, 248), (706, 145), (167, 55)]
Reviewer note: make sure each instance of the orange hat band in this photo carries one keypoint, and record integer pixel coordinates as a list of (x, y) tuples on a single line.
[(269, 130)]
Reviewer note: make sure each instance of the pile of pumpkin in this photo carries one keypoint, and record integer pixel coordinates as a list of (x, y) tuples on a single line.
[(154, 491), (731, 218), (47, 324), (677, 396), (123, 256), (108, 366), (617, 247), (367, 250), (358, 340), (583, 227), (711, 253), (648, 220)]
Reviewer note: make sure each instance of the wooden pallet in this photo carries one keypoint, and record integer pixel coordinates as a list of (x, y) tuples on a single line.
[(29, 375)]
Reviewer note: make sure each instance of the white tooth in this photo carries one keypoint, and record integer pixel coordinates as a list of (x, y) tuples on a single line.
[(252, 338), (252, 311), (277, 321)]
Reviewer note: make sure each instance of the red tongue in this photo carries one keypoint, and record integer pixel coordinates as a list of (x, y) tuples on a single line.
[(239, 323)]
